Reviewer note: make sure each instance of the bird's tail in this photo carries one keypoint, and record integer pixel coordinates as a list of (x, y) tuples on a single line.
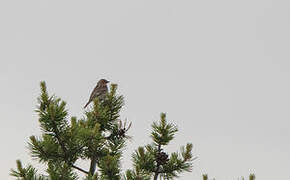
[(87, 104)]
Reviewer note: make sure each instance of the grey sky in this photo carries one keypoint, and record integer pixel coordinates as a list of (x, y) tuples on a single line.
[(219, 69)]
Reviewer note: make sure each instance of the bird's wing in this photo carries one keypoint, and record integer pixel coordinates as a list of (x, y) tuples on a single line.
[(99, 90), (94, 92)]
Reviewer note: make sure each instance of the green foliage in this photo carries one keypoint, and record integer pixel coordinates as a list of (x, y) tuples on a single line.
[(163, 132), (28, 173), (252, 177), (61, 171), (136, 174), (110, 167)]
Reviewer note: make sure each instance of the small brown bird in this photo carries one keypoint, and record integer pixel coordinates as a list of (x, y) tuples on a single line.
[(99, 91)]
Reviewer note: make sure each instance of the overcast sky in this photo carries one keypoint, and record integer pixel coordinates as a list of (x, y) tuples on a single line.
[(219, 69)]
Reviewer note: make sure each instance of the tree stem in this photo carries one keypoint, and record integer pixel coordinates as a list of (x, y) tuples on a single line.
[(158, 165), (93, 166)]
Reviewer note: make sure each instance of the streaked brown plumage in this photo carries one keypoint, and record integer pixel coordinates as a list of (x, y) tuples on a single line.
[(99, 91)]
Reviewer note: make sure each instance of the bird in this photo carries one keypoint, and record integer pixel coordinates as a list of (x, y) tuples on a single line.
[(99, 91)]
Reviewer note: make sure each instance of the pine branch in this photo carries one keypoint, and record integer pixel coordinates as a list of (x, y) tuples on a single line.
[(57, 135), (80, 169)]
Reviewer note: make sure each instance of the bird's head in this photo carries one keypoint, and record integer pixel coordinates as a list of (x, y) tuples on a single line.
[(103, 81)]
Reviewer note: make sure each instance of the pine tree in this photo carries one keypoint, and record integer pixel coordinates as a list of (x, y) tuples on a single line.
[(99, 137)]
